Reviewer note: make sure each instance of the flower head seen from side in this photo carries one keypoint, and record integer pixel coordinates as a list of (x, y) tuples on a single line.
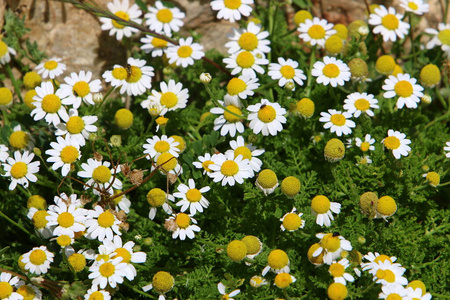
[(155, 45), (156, 197), (248, 151), (67, 218), (252, 38), (204, 162), (286, 71), (398, 143), (331, 71), (39, 220), (283, 280), (101, 224), (51, 68), (337, 121), (27, 291), (292, 221), (232, 10), (7, 284), (331, 246), (38, 260), (185, 53), (266, 117), (21, 140), (21, 169), (241, 87), (77, 127), (222, 290), (79, 87), (337, 270), (172, 95), (5, 53), (277, 262), (6, 98), (164, 20), (367, 144), (441, 37), (191, 197), (359, 103), (122, 10), (374, 259), (315, 31), (321, 207), (247, 63), (48, 104), (388, 23), (417, 7), (157, 145), (110, 272), (101, 177), (387, 273), (162, 282), (64, 153), (228, 170), (229, 120), (183, 226), (405, 88)]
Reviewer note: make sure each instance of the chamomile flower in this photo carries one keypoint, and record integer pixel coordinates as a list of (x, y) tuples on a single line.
[(110, 272), (20, 139), (367, 144), (172, 95), (185, 53), (154, 107), (337, 270), (158, 145), (95, 293), (67, 218), (393, 291), (248, 151), (374, 260), (158, 198), (222, 290), (292, 221), (242, 87), (405, 88), (123, 10), (229, 121), (277, 262), (286, 71), (388, 23), (232, 10), (184, 226), (192, 197), (246, 62), (316, 31), (49, 104), (266, 117), (39, 220), (358, 103), (21, 169), (164, 20), (79, 87), (5, 53), (64, 153), (252, 38), (283, 280), (7, 284), (3, 153), (101, 224), (51, 68), (77, 127), (162, 282), (228, 169), (204, 162), (154, 45), (28, 291), (37, 261), (398, 143), (387, 274), (257, 281), (6, 98), (168, 164), (331, 71), (447, 149), (321, 207), (417, 7), (331, 245), (441, 37), (337, 121), (386, 207), (100, 176)]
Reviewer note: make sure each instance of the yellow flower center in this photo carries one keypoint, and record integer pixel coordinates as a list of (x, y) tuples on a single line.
[(365, 146), (316, 32), (123, 118), (292, 222), (248, 41), (167, 161), (320, 204), (162, 146), (403, 88), (164, 15), (119, 73), (236, 86), (283, 280), (392, 142), (134, 75), (75, 125), (232, 4), (5, 288), (64, 240), (290, 186), (413, 5), (267, 113), (26, 291), (395, 297), (107, 269), (267, 179), (338, 119), (38, 257), (96, 296), (301, 16), (229, 168), (37, 202), (277, 259), (124, 253), (337, 291), (185, 51), (5, 96), (106, 219), (387, 275), (334, 150), (236, 250), (104, 257), (19, 170), (3, 48), (433, 178), (183, 220), (381, 258), (159, 43), (244, 151), (430, 75), (390, 21), (444, 36), (318, 260), (417, 284), (66, 219), (77, 261), (330, 242), (123, 15), (69, 154), (19, 139), (287, 72), (253, 244), (162, 282), (156, 197), (385, 64), (306, 107), (161, 121), (232, 117), (28, 99), (181, 142), (169, 99), (51, 65), (245, 59), (31, 80), (362, 104), (334, 44), (337, 270), (39, 219), (81, 89), (206, 164), (101, 174), (51, 103), (193, 195), (386, 206), (331, 71)]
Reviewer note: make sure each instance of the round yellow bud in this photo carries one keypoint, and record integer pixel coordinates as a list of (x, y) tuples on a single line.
[(123, 118)]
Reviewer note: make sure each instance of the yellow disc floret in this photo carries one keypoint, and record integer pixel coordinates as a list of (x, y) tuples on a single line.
[(386, 206), (290, 186), (433, 178), (358, 68), (244, 152), (164, 15), (167, 161), (183, 220), (277, 259), (81, 89), (19, 170), (181, 143), (51, 104), (6, 96), (63, 240), (123, 15), (430, 75), (169, 99), (40, 219), (283, 280), (69, 154), (185, 51), (403, 88), (390, 21), (232, 114), (267, 179), (106, 219), (37, 202), (318, 260), (101, 174), (267, 113), (253, 244), (336, 270), (31, 80), (66, 219), (124, 253), (38, 257), (28, 99), (316, 32), (163, 282), (248, 41), (26, 291), (229, 168), (330, 242), (107, 269), (292, 221), (334, 45), (75, 125), (123, 118), (341, 31), (236, 250), (385, 64), (245, 59), (193, 195), (334, 150), (301, 16), (5, 290), (19, 139), (418, 284), (306, 107), (236, 86), (337, 291), (392, 142), (320, 204), (77, 261), (331, 70)]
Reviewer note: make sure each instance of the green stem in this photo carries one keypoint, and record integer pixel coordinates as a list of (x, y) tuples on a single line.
[(23, 190), (285, 294), (413, 51), (444, 184), (312, 60), (106, 96), (138, 290), (15, 83), (195, 132), (14, 223), (5, 117), (75, 277), (149, 125)]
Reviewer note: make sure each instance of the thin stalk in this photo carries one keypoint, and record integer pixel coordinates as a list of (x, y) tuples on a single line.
[(286, 296), (312, 60), (14, 223), (138, 290), (411, 37), (66, 260), (15, 83), (5, 117)]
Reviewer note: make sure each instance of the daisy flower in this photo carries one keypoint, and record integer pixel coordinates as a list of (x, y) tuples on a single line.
[(232, 9), (192, 197), (331, 246), (316, 31), (51, 68), (154, 107), (63, 153), (6, 98), (441, 37), (242, 87), (248, 151), (3, 153), (228, 169), (157, 198), (154, 45), (267, 181), (95, 293), (221, 287), (158, 145), (358, 103), (266, 117), (246, 62), (367, 144), (447, 149), (331, 71), (398, 143), (37, 260), (321, 207), (393, 291), (292, 221), (374, 260), (250, 39), (229, 120), (388, 23), (257, 281), (38, 218), (101, 224), (388, 274), (277, 262), (49, 105), (417, 7), (405, 88), (67, 218), (337, 121), (109, 272), (121, 202), (183, 226), (283, 280), (21, 140), (286, 71), (123, 10), (337, 270), (21, 169), (417, 294), (79, 87), (162, 282), (5, 53), (8, 283), (364, 160), (28, 291), (100, 176), (164, 20), (77, 127), (172, 96), (204, 162), (168, 164), (185, 53)]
